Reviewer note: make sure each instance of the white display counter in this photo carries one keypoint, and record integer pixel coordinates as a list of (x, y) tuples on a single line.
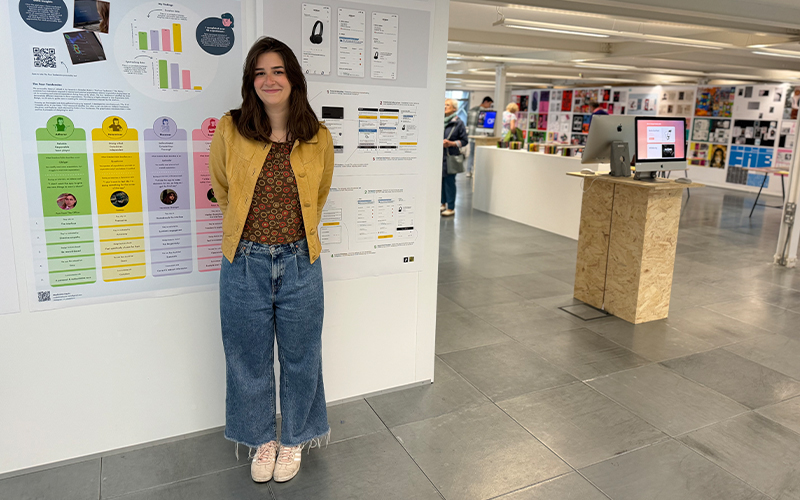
[(530, 188)]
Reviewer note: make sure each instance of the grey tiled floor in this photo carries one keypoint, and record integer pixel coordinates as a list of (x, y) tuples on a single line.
[(532, 403)]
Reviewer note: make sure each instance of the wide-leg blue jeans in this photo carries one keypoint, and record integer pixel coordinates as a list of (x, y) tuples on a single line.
[(273, 291)]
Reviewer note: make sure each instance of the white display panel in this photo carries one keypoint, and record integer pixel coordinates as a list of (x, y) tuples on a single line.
[(115, 123), (9, 299), (379, 130)]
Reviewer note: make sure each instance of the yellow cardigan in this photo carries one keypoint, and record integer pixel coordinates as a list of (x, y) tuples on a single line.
[(235, 164)]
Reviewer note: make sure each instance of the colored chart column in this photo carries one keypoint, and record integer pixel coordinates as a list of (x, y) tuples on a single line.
[(209, 216), (119, 200), (167, 167), (66, 203)]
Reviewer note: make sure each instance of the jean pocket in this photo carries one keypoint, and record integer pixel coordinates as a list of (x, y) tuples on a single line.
[(302, 247)]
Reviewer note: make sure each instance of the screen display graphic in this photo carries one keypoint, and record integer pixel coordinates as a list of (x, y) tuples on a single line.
[(659, 140)]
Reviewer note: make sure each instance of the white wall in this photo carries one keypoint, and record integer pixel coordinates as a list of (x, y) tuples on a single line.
[(89, 379)]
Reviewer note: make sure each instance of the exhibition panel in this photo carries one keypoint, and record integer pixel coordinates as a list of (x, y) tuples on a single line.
[(117, 230)]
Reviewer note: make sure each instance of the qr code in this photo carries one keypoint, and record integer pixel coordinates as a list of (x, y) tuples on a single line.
[(44, 57), (44, 296)]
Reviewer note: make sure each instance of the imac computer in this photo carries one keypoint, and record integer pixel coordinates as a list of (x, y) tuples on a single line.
[(486, 121), (660, 145), (604, 130)]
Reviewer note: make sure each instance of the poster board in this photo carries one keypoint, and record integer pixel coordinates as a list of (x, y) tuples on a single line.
[(116, 111)]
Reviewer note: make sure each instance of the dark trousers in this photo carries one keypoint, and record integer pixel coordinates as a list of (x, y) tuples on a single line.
[(449, 191)]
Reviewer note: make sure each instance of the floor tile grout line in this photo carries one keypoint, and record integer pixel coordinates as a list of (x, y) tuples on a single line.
[(747, 409), (403, 446), (734, 354), (100, 480), (179, 481), (531, 486), (720, 467)]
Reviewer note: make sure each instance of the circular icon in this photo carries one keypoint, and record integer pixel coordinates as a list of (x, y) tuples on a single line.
[(119, 199), (60, 127), (115, 127), (210, 196), (165, 127), (168, 197), (66, 201)]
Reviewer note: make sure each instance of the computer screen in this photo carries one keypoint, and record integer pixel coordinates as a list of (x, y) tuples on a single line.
[(86, 13), (83, 47), (605, 130), (660, 139), (487, 118)]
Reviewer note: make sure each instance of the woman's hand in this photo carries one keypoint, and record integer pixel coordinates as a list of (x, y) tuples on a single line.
[(449, 144)]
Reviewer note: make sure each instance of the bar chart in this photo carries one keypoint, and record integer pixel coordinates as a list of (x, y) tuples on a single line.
[(171, 76), (163, 40), (156, 52)]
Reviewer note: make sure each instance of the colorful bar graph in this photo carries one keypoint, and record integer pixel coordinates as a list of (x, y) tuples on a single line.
[(142, 40), (187, 79), (162, 74), (154, 39), (175, 72), (176, 37), (165, 42)]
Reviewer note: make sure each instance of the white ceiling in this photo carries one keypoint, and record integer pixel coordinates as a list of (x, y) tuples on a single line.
[(640, 43)]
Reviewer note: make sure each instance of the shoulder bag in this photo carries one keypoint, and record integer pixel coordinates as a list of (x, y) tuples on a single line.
[(455, 163)]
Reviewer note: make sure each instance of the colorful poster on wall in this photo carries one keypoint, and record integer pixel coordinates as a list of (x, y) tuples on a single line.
[(707, 155), (755, 133), (642, 104), (715, 101), (759, 102), (791, 104), (107, 96), (711, 130)]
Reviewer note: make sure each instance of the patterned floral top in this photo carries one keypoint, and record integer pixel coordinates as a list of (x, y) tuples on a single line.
[(275, 216)]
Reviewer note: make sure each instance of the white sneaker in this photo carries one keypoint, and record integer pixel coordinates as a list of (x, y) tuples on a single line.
[(263, 463), (469, 174), (448, 213), (443, 207), (288, 463)]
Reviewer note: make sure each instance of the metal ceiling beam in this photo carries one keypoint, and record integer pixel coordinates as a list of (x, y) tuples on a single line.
[(767, 16), (533, 42)]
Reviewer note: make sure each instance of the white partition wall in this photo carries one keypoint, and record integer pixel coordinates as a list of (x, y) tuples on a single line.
[(123, 369)]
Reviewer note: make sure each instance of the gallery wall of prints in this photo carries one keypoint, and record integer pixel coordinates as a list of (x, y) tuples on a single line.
[(118, 102), (366, 81), (730, 129)]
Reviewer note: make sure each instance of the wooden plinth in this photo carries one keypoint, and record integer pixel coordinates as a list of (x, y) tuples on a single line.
[(626, 247)]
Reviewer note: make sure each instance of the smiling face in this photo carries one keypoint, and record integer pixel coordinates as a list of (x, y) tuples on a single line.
[(271, 83)]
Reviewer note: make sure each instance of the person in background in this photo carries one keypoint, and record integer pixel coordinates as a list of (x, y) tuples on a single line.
[(510, 131), (597, 109), (472, 127), (455, 137)]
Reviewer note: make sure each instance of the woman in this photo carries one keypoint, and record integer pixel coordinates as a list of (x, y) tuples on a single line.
[(271, 166), (66, 201), (455, 137), (510, 123), (718, 158)]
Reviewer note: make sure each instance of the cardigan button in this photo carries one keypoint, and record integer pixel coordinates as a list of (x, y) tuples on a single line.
[(313, 231), (301, 174), (306, 204)]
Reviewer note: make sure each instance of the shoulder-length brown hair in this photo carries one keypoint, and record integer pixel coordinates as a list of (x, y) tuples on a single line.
[(251, 118)]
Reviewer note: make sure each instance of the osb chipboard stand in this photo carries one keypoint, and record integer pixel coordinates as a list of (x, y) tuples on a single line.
[(626, 245)]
